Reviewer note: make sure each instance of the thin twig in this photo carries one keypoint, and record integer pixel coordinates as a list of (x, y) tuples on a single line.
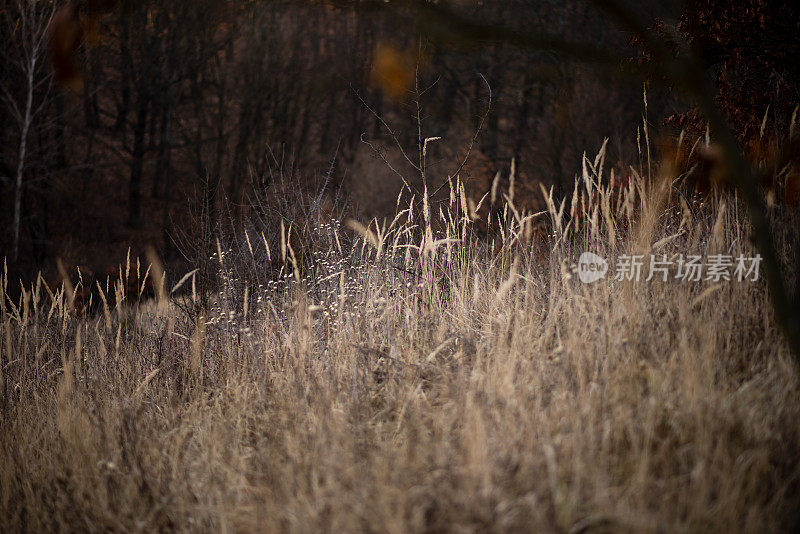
[(474, 139)]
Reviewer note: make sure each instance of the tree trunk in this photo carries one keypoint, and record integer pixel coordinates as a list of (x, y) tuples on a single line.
[(123, 105), (163, 175), (164, 150), (135, 184), (23, 145)]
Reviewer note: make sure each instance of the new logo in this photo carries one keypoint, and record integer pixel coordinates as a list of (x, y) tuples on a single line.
[(591, 267)]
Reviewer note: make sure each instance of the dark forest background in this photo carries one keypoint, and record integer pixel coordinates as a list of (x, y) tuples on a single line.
[(185, 116)]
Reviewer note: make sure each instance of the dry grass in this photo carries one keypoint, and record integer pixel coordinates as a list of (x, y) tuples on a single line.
[(428, 386)]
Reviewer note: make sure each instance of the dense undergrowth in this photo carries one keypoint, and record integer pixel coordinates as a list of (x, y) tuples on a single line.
[(414, 376)]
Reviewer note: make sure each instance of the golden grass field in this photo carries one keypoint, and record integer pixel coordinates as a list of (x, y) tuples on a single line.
[(417, 379)]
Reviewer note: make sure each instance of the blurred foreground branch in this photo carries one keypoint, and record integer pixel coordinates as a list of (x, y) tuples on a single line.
[(685, 71)]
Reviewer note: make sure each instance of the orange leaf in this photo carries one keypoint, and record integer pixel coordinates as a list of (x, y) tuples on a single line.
[(392, 71)]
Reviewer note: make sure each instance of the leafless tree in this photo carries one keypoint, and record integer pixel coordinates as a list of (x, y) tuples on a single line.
[(28, 93)]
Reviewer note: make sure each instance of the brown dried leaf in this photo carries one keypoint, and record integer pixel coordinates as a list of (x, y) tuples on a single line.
[(64, 37)]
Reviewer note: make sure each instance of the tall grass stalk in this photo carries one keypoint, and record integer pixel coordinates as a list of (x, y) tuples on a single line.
[(404, 378)]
